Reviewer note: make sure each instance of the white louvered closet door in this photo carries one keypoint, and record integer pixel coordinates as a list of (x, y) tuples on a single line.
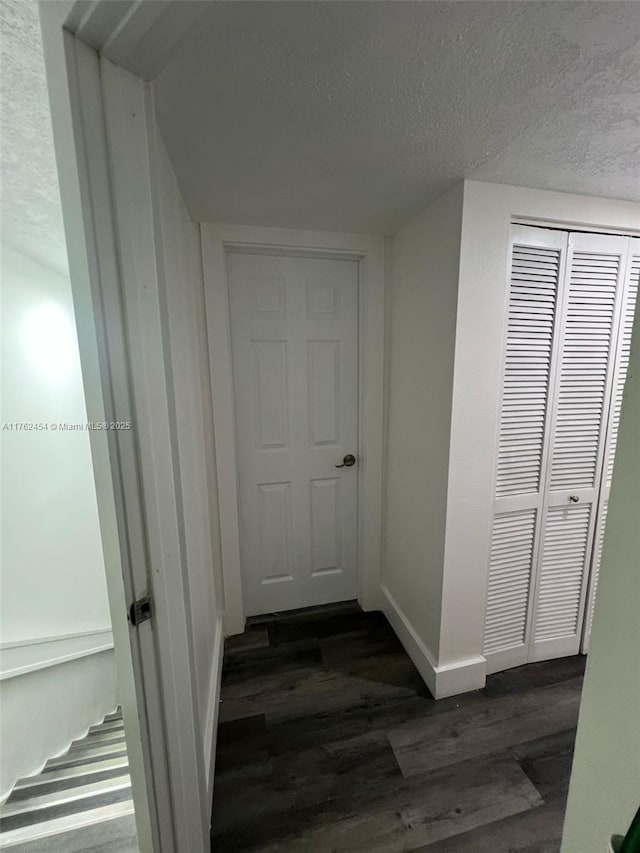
[(570, 315), (629, 301), (590, 314), (535, 292)]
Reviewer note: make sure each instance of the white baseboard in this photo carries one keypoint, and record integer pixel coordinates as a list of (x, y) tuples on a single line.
[(234, 623), (213, 707), (442, 679), (461, 677), (370, 601), (414, 647)]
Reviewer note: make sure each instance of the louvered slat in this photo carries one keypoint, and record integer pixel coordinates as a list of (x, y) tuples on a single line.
[(581, 396), (532, 305), (509, 580), (561, 576)]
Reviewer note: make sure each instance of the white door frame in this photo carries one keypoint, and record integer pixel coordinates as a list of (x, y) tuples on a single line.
[(71, 64), (112, 249), (217, 242)]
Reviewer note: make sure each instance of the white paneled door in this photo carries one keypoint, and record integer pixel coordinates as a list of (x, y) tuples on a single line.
[(294, 330), (570, 312)]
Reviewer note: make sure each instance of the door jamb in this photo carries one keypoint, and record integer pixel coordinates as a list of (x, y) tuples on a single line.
[(217, 242), (113, 376), (76, 103)]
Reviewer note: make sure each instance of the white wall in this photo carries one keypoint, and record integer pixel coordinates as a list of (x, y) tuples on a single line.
[(180, 241), (605, 782), (52, 576), (482, 303), (421, 306), (52, 573)]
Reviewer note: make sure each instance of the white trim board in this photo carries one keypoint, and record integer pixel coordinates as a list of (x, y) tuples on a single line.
[(579, 227), (53, 638), (76, 99), (110, 210), (213, 708), (442, 680), (108, 163), (31, 655), (140, 37), (217, 241), (135, 179)]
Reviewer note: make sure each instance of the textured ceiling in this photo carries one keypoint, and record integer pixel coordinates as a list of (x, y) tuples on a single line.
[(354, 115)]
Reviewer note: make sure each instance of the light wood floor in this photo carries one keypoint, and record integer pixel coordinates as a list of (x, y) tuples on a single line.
[(329, 742)]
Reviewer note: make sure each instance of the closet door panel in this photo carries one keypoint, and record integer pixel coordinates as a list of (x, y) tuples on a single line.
[(536, 271), (564, 551), (580, 406), (593, 286), (630, 297), (508, 597)]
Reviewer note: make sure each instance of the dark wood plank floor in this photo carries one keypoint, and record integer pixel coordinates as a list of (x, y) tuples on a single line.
[(329, 742)]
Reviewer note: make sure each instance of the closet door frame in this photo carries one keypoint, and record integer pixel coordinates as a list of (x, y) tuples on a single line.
[(567, 241)]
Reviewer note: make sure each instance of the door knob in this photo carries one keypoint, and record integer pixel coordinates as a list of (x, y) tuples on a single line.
[(348, 461), (574, 499)]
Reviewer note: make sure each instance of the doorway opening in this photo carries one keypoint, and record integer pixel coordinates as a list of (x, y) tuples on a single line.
[(295, 328), (65, 781), (65, 769)]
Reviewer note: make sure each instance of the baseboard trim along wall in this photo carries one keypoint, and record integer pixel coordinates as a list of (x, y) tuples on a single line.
[(213, 706), (415, 648), (461, 677), (442, 679)]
